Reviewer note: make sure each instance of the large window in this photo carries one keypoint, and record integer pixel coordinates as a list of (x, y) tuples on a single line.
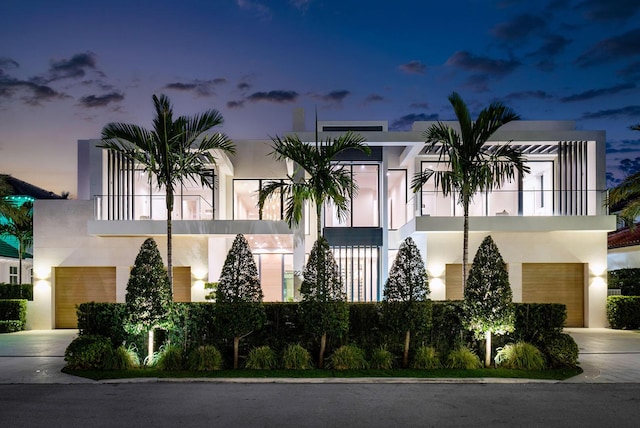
[(364, 208), (397, 195), (245, 201)]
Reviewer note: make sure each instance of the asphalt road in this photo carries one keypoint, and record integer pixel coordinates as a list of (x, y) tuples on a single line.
[(319, 405)]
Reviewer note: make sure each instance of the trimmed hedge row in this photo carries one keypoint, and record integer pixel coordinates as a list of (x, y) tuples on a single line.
[(12, 291), (623, 312), (627, 280), (194, 325), (13, 315)]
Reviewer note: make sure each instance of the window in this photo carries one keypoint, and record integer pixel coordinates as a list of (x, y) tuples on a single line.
[(397, 193), (359, 268), (245, 201), (13, 274), (364, 208)]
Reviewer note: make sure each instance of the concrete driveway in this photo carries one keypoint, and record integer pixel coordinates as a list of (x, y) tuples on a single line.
[(37, 356)]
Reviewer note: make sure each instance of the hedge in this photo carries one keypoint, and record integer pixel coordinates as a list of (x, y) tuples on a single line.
[(623, 312), (13, 315), (12, 291), (194, 325)]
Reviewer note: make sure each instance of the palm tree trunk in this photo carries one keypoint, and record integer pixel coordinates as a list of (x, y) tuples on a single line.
[(319, 220), (487, 350), (169, 252), (20, 267), (465, 246), (405, 357), (323, 344), (236, 347)]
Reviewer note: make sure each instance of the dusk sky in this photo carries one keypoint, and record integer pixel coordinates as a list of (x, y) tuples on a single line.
[(69, 67)]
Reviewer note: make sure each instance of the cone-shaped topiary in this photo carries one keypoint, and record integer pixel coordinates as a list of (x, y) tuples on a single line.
[(323, 309), (407, 284), (148, 298), (239, 308), (488, 299)]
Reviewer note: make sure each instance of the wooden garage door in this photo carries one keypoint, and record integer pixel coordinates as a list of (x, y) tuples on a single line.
[(453, 281), (556, 283), (75, 285), (182, 284)]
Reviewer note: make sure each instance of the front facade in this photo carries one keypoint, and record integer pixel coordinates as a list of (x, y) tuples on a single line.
[(549, 224)]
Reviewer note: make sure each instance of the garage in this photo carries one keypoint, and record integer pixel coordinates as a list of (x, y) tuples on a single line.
[(75, 285), (556, 283)]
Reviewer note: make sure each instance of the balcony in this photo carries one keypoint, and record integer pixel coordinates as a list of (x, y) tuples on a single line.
[(151, 207)]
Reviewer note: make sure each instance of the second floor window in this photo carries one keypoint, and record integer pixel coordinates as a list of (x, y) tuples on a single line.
[(364, 208), (245, 201)]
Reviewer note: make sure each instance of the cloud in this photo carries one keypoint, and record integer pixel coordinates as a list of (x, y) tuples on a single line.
[(423, 106), (72, 68), (628, 112), (594, 93), (373, 98), (631, 71), (35, 93), (260, 10), (553, 45), (243, 86), (7, 63), (202, 88), (622, 46), (523, 95), (413, 67), (607, 10), (468, 62), (277, 96), (93, 101), (302, 5), (336, 96), (623, 146), (404, 123), (235, 104), (519, 29)]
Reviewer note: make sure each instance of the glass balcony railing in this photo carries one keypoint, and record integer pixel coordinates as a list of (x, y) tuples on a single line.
[(511, 203), (151, 207)]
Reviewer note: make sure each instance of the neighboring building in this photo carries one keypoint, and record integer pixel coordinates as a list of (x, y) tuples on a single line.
[(624, 248), (21, 192), (550, 224)]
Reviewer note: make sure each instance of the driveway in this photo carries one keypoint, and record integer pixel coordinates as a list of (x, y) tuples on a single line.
[(37, 356)]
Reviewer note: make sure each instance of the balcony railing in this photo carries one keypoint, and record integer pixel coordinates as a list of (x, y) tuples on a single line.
[(151, 207), (510, 203)]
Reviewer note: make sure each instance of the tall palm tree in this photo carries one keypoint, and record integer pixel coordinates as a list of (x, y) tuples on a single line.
[(5, 190), (173, 151), (471, 167), (318, 177), (627, 194), (20, 227)]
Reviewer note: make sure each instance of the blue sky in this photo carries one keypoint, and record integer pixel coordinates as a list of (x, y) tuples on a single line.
[(69, 67)]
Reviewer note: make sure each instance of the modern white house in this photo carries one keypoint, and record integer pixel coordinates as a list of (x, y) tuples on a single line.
[(550, 224)]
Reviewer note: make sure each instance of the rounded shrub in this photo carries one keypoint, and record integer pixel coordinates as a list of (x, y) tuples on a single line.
[(204, 358), (463, 358), (426, 357), (261, 358), (87, 352), (561, 350), (521, 356), (381, 358), (296, 357), (121, 359), (170, 358), (348, 357)]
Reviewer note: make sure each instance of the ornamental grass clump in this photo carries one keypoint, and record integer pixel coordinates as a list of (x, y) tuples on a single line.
[(204, 358), (170, 358), (348, 357), (261, 358), (121, 359), (296, 357), (463, 358), (521, 356), (381, 359), (426, 358)]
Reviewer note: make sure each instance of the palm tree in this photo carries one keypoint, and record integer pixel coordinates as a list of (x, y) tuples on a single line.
[(627, 194), (318, 177), (471, 167), (173, 151), (5, 190), (20, 226)]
